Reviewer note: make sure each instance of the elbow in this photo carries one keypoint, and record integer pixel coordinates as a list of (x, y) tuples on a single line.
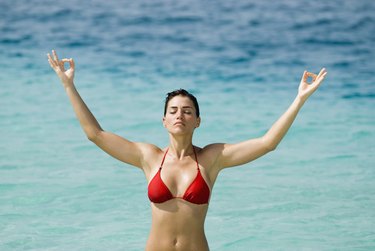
[(93, 135), (269, 145)]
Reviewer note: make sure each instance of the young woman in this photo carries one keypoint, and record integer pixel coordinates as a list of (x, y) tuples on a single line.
[(180, 177)]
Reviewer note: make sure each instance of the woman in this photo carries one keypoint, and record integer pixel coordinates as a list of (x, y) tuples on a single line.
[(180, 177)]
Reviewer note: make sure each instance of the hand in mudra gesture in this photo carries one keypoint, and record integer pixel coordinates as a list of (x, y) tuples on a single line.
[(66, 75), (306, 89)]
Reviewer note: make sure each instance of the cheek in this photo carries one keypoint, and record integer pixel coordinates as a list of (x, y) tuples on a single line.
[(167, 120)]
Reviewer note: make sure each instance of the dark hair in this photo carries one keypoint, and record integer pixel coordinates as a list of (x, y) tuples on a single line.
[(184, 93)]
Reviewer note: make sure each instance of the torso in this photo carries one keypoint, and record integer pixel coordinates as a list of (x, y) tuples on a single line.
[(178, 224)]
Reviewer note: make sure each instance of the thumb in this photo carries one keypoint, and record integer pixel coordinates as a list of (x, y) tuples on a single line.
[(304, 76), (70, 61)]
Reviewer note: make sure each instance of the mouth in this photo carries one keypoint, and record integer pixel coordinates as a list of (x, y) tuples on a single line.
[(179, 123)]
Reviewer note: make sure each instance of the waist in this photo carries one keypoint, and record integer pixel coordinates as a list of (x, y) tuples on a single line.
[(167, 241)]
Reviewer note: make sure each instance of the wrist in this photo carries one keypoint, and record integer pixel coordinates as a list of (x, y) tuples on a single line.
[(299, 100), (68, 85)]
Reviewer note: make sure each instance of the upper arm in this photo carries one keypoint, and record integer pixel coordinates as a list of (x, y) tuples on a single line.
[(132, 153), (241, 153)]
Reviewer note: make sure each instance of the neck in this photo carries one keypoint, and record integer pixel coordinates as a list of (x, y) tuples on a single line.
[(181, 146)]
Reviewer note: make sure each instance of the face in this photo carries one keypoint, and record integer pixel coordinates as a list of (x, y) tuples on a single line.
[(180, 117)]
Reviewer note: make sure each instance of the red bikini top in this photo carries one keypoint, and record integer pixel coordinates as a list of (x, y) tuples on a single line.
[(197, 193)]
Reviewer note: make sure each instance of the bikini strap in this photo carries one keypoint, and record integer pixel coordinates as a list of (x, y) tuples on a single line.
[(162, 162), (196, 158)]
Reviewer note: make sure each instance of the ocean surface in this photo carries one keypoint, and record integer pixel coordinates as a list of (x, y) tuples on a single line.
[(243, 60)]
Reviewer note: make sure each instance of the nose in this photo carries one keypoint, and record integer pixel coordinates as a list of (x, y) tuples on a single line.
[(179, 114)]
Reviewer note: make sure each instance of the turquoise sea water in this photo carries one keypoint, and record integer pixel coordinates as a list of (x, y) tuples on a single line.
[(243, 60)]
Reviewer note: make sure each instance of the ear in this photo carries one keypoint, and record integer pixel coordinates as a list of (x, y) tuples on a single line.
[(164, 122), (198, 122)]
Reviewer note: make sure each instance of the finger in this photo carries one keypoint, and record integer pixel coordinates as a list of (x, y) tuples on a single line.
[(322, 74), (322, 71), (63, 61), (55, 55), (72, 65), (70, 61), (62, 65), (312, 75), (320, 79), (49, 58), (51, 61)]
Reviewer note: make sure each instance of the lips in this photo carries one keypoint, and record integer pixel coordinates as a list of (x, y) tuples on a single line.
[(179, 123)]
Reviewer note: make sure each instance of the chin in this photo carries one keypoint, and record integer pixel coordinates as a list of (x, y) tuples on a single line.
[(179, 132)]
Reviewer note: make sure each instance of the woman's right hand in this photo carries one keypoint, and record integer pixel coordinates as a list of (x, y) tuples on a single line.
[(66, 76)]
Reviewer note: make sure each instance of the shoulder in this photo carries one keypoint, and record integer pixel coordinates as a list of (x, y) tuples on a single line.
[(148, 149), (213, 149), (152, 154), (209, 154), (209, 159)]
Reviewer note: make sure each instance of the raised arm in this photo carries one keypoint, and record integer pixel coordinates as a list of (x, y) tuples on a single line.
[(246, 151), (116, 146)]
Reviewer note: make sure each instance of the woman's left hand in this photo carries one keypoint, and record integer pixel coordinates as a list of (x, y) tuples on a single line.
[(306, 89)]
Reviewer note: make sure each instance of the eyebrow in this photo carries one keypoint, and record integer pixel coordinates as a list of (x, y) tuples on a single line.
[(184, 107)]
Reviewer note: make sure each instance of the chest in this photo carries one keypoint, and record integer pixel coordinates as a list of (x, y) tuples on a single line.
[(179, 175)]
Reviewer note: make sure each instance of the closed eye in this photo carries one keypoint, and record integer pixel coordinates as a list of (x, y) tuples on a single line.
[(172, 111), (186, 110)]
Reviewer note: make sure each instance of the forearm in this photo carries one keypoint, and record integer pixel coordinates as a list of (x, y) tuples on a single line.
[(278, 130), (87, 120)]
